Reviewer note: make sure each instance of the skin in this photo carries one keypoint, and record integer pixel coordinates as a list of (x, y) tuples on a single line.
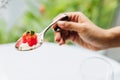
[(79, 29)]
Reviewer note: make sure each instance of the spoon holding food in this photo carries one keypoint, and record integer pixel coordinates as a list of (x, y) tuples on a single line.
[(31, 40)]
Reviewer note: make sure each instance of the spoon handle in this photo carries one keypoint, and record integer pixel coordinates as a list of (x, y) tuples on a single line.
[(63, 17)]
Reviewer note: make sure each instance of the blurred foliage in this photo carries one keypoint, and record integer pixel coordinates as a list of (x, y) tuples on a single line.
[(101, 12)]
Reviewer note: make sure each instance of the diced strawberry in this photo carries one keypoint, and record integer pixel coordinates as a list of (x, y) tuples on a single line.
[(32, 41), (30, 44), (30, 38), (24, 39)]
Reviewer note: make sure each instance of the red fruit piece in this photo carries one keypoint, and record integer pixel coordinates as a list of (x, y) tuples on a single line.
[(30, 38), (33, 40), (24, 39)]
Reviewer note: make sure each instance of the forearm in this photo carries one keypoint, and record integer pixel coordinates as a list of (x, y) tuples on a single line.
[(114, 37)]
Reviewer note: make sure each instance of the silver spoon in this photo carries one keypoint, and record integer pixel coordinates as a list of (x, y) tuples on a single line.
[(40, 36)]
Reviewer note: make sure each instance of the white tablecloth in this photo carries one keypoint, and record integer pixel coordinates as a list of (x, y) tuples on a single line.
[(54, 62)]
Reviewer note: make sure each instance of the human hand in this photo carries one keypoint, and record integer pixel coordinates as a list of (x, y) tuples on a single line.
[(81, 30)]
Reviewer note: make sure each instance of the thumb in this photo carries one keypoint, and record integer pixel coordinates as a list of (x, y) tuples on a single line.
[(71, 26)]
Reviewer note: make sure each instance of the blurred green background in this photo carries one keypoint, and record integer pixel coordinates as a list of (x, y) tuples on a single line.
[(101, 12)]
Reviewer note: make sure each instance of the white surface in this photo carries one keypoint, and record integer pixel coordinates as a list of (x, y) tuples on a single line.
[(92, 69), (113, 53), (53, 62)]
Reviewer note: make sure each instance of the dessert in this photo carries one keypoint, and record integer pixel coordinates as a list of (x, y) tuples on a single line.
[(28, 41)]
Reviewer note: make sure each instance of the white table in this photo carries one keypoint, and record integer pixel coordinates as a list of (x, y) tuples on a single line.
[(54, 62)]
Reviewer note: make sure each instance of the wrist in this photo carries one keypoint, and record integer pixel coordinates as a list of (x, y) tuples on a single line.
[(105, 39), (113, 37)]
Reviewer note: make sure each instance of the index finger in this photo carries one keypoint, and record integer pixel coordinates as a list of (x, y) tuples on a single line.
[(61, 17)]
